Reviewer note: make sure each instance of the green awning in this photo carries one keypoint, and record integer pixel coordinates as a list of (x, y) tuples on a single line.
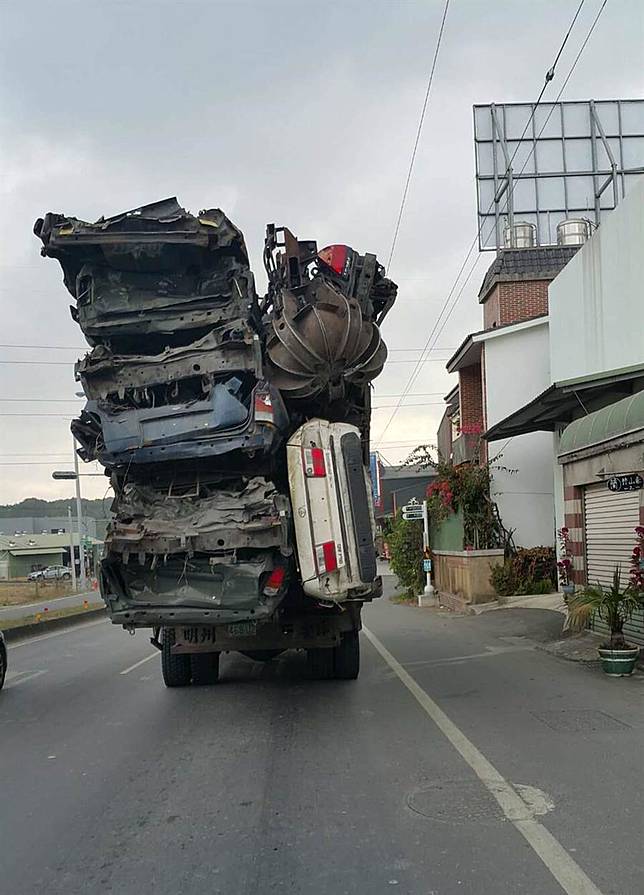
[(621, 418)]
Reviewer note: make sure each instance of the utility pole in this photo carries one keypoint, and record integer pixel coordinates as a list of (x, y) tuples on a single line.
[(79, 517), (71, 546)]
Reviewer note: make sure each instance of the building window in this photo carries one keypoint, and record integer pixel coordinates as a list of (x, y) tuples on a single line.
[(456, 424)]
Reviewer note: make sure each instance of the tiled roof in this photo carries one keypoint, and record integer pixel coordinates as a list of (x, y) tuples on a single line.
[(539, 263)]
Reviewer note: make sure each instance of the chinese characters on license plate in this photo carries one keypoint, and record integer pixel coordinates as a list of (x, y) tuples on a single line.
[(198, 635)]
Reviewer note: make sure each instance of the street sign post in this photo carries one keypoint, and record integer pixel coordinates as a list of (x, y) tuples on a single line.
[(414, 511)]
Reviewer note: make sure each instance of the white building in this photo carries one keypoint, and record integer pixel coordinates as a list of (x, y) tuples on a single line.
[(593, 405)]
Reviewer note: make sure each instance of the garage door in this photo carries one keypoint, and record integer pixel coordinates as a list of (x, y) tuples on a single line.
[(611, 518)]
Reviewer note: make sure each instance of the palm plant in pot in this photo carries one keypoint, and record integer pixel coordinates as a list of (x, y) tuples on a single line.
[(614, 605)]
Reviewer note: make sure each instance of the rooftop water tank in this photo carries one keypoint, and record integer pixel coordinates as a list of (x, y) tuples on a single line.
[(574, 231), (521, 235)]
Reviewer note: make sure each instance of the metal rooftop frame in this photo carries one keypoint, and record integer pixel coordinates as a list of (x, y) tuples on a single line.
[(575, 160)]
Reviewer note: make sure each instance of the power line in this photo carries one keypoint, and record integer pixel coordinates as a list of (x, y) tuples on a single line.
[(42, 400), (422, 404), (64, 415), (548, 77), (418, 133), (531, 150), (47, 347), (52, 363)]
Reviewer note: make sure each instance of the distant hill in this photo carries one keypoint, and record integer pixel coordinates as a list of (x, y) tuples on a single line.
[(33, 506)]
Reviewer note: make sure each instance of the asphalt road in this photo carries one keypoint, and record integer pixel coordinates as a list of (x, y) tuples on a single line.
[(464, 760)]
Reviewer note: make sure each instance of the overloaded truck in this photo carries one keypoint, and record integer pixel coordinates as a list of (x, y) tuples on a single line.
[(234, 429)]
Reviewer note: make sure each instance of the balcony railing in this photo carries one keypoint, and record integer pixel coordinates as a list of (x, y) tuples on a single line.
[(465, 449)]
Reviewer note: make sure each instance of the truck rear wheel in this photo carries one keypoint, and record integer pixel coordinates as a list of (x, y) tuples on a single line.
[(346, 657), (204, 668), (321, 663), (175, 669)]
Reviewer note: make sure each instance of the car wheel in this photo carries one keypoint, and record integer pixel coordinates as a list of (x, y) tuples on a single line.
[(175, 669), (204, 668), (320, 663), (3, 664)]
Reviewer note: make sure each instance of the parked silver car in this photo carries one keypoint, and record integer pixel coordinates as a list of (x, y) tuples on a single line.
[(55, 573)]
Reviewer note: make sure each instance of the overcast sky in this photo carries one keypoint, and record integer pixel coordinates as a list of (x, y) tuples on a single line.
[(293, 113)]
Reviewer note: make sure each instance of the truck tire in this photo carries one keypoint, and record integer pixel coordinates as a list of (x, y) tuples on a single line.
[(175, 669), (204, 668), (346, 657), (3, 664), (321, 663)]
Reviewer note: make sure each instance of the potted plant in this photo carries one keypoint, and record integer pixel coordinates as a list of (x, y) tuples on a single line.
[(564, 565), (614, 606)]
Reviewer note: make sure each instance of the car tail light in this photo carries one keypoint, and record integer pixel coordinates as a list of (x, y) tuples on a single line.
[(314, 464), (275, 581), (337, 258), (326, 558), (264, 412)]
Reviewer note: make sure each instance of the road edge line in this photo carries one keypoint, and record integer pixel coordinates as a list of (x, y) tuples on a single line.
[(140, 662), (570, 876), (26, 640)]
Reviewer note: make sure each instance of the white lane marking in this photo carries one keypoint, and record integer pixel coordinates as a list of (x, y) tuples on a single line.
[(136, 664), (13, 646), (19, 677), (561, 865), (491, 652)]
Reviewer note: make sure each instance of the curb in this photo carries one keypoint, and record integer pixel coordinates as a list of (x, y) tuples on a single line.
[(68, 621)]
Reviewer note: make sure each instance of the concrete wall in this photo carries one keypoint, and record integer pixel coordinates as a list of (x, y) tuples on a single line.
[(518, 368), (596, 301), (466, 574)]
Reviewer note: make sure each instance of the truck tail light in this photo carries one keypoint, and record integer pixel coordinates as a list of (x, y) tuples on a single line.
[(326, 558), (314, 465), (275, 581), (337, 258), (264, 412)]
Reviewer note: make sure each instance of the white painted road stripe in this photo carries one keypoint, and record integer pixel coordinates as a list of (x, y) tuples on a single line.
[(19, 677), (136, 664), (561, 865), (70, 630)]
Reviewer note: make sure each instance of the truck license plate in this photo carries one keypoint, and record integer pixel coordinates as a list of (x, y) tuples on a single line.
[(241, 629), (194, 636)]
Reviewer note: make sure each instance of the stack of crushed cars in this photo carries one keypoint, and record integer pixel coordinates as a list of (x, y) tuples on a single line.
[(194, 384)]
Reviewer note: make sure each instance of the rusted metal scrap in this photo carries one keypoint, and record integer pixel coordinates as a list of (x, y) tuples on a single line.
[(194, 385), (324, 313)]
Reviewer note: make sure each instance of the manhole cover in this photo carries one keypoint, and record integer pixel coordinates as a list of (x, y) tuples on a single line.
[(456, 802), (579, 720)]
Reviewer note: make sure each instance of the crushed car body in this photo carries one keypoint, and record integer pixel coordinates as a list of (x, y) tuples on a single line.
[(204, 401)]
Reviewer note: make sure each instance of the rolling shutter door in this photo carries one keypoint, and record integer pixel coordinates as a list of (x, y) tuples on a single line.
[(610, 520)]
